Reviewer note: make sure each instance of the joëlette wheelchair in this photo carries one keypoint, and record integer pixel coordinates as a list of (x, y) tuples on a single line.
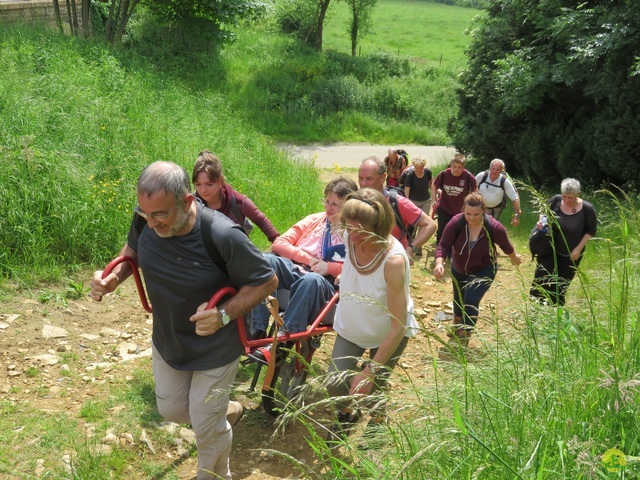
[(286, 372)]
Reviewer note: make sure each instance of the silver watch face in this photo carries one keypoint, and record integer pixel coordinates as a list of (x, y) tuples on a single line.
[(225, 316)]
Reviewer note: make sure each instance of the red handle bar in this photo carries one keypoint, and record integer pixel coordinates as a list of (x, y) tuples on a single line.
[(136, 275), (143, 296)]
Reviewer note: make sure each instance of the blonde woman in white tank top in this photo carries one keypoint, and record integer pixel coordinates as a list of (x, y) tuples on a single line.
[(375, 311)]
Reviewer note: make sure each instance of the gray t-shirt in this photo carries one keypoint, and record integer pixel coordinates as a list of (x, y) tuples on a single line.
[(180, 275)]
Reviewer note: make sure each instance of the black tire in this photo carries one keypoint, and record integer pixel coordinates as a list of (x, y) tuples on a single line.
[(286, 383)]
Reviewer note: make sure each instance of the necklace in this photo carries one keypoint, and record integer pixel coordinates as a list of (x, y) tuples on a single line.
[(373, 265), (573, 210)]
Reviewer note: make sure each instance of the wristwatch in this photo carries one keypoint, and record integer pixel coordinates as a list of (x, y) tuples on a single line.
[(224, 316), (375, 368)]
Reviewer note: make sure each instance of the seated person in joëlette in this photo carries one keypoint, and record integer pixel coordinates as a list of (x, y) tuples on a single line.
[(309, 257), (216, 194)]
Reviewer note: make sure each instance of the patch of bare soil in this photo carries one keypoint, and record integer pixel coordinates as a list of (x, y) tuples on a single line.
[(106, 341)]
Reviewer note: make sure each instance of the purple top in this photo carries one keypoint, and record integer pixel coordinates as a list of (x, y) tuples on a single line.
[(248, 209), (467, 258)]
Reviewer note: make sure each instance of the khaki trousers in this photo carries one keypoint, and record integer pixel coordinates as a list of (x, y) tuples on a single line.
[(199, 398)]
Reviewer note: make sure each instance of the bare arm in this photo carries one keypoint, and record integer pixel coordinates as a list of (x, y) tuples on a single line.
[(100, 287), (395, 275), (427, 228), (209, 322), (577, 251), (516, 212)]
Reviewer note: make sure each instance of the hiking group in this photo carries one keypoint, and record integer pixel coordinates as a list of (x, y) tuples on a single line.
[(190, 244)]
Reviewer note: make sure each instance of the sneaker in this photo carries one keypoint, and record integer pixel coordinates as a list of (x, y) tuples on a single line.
[(346, 422), (235, 412)]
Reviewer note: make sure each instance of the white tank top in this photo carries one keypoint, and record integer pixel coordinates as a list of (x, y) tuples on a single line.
[(362, 316)]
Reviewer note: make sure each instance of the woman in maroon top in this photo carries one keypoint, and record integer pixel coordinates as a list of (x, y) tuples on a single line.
[(216, 194), (470, 237)]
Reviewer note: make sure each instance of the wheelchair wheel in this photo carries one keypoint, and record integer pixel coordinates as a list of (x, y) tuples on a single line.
[(289, 375)]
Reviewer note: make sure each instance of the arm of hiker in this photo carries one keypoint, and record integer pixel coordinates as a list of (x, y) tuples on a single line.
[(100, 287), (438, 270), (427, 228), (209, 322), (249, 210), (516, 212), (577, 251), (285, 244), (515, 258), (395, 275)]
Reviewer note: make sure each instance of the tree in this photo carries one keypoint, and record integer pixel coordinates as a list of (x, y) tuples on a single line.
[(360, 23), (72, 17), (217, 12), (553, 88), (323, 6)]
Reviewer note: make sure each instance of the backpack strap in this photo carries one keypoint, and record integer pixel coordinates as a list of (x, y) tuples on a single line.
[(206, 221), (459, 226), (393, 201), (503, 178), (484, 178), (236, 210)]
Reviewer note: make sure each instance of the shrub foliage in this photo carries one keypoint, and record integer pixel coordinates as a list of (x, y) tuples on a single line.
[(553, 87)]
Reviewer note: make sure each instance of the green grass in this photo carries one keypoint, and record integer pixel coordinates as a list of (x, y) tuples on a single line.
[(400, 90), (79, 122), (427, 31)]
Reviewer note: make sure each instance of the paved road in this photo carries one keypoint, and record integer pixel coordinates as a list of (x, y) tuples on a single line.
[(350, 155)]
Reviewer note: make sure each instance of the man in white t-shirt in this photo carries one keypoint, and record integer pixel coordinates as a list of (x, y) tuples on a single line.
[(496, 188)]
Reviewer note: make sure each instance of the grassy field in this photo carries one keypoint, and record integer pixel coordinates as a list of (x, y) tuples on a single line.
[(429, 32), (401, 89)]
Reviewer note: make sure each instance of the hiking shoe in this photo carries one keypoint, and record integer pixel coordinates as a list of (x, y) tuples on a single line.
[(460, 334), (235, 412), (346, 422)]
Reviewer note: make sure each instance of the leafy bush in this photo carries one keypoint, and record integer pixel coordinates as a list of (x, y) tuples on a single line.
[(553, 90), (297, 17)]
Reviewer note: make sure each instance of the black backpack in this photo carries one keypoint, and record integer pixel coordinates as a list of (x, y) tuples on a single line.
[(245, 223)]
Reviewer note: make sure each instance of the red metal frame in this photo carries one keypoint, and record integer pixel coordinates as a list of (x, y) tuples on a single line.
[(315, 329)]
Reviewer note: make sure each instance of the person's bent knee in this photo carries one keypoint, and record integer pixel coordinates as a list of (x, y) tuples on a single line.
[(174, 410)]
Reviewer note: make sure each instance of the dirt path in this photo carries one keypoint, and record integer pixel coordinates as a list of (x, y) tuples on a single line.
[(58, 373), (350, 156)]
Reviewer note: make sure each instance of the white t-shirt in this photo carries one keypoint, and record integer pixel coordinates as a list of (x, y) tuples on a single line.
[(362, 316), (493, 193)]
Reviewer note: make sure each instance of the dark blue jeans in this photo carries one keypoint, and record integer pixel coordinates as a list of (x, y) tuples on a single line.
[(309, 293), (468, 291)]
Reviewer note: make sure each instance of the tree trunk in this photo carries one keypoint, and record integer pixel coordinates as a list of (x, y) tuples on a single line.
[(354, 30), (56, 12), (69, 17), (324, 5), (86, 17), (74, 19)]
